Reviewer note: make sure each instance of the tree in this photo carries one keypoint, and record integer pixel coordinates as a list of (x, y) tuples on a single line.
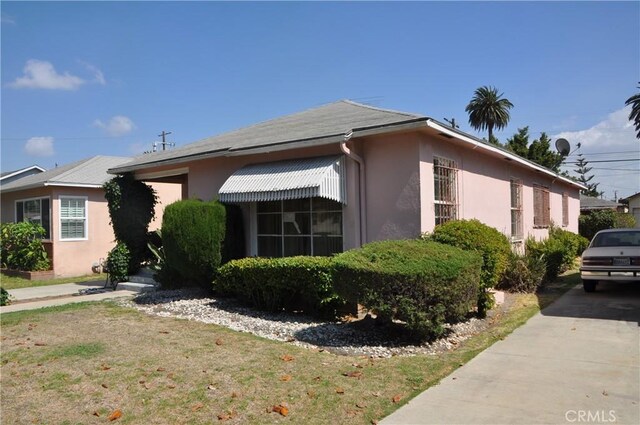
[(582, 170), (488, 110), (539, 151), (634, 115)]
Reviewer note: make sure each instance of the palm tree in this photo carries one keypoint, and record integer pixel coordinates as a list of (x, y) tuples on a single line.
[(488, 110), (634, 115)]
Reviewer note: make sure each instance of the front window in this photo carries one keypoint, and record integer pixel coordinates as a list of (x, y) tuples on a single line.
[(311, 226), (516, 210), (445, 182), (541, 207), (73, 218), (35, 211)]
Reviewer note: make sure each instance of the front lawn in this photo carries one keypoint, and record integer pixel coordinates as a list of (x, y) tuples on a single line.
[(8, 282), (80, 363)]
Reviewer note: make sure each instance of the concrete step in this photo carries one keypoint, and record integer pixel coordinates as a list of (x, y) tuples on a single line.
[(143, 279), (136, 287)]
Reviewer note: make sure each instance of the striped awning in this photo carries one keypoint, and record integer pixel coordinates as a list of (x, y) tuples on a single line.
[(294, 179)]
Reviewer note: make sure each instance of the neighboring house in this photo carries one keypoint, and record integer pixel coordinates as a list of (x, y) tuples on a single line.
[(634, 206), (11, 176), (68, 201), (590, 203), (337, 176)]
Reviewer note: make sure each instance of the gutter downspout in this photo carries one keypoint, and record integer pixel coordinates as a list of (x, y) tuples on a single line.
[(361, 185)]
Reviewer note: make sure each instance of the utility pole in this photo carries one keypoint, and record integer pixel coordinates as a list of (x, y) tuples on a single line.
[(164, 143)]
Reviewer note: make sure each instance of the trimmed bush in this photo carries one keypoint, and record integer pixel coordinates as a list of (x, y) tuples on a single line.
[(421, 283), (491, 244), (21, 247), (592, 223), (192, 237), (275, 284), (524, 273)]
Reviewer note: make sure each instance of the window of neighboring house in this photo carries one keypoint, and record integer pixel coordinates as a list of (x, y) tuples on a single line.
[(36, 210), (311, 226), (565, 209), (73, 218), (541, 207), (445, 182), (517, 231)]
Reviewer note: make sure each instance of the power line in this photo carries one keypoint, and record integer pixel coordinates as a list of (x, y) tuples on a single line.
[(608, 160)]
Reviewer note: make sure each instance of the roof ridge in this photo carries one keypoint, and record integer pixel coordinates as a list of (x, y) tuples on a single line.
[(83, 163), (375, 108)]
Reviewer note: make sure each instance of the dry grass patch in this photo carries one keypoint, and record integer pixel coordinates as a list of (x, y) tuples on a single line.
[(83, 363)]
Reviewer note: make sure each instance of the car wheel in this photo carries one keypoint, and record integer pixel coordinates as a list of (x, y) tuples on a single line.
[(589, 285)]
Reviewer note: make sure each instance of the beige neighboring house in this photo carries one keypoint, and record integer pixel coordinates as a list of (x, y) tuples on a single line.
[(334, 177), (10, 176), (68, 201), (591, 203), (634, 206)]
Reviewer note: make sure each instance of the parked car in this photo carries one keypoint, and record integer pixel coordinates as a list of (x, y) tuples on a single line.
[(612, 255)]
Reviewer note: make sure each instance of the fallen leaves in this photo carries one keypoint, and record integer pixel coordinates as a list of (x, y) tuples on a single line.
[(280, 408), (396, 398), (226, 416), (339, 390), (197, 407), (116, 414), (353, 374), (219, 341), (287, 358), (285, 378)]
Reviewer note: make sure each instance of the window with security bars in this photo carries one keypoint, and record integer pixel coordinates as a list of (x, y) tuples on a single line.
[(445, 185), (35, 211), (565, 209), (311, 226), (541, 207), (73, 218), (517, 231)]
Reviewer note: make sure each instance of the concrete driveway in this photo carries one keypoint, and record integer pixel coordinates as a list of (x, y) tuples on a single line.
[(576, 362)]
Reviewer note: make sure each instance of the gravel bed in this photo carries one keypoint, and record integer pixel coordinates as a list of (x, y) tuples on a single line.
[(357, 337)]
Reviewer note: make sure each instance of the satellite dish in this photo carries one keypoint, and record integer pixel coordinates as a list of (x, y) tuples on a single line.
[(562, 146)]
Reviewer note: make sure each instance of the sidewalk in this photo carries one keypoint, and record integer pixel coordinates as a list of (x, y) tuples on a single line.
[(54, 295), (578, 359)]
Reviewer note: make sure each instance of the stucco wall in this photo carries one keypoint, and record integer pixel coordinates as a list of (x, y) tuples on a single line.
[(634, 209), (167, 193)]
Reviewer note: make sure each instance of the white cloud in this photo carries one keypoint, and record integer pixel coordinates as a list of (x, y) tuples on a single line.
[(7, 19), (98, 76), (613, 138), (42, 75), (118, 125), (39, 146)]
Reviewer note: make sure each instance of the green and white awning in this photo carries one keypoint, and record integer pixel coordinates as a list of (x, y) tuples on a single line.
[(293, 179)]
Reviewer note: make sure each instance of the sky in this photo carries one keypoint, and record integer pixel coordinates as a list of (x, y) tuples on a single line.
[(80, 79)]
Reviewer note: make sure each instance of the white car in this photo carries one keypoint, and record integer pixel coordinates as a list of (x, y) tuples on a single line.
[(612, 255)]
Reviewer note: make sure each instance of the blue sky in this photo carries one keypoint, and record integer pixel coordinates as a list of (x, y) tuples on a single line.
[(105, 78)]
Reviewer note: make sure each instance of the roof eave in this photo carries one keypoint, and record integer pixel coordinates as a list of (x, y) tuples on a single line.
[(479, 144)]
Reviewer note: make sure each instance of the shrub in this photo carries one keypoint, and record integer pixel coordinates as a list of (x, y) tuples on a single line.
[(131, 206), (21, 247), (592, 223), (4, 297), (559, 251), (290, 283), (524, 273), (192, 237), (118, 263), (490, 243), (422, 283)]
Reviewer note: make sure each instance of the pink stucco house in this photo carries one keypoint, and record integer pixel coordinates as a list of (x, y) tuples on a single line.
[(337, 176), (68, 201)]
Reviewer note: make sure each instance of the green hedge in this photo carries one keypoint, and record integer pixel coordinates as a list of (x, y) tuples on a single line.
[(290, 283), (421, 283), (490, 243), (592, 223), (192, 236), (524, 273)]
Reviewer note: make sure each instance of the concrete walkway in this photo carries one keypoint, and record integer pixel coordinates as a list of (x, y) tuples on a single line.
[(53, 295), (576, 362)]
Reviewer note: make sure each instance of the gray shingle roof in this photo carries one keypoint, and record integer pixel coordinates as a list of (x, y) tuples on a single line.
[(91, 172), (21, 170), (318, 124), (591, 203)]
